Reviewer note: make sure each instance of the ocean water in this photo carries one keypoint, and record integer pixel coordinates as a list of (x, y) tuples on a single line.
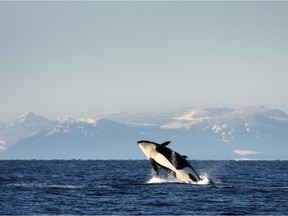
[(78, 187)]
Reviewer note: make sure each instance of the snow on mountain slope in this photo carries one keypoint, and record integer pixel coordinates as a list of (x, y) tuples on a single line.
[(202, 132), (187, 114), (193, 116), (68, 125), (27, 125)]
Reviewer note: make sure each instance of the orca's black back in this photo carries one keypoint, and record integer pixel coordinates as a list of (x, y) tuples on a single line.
[(178, 161)]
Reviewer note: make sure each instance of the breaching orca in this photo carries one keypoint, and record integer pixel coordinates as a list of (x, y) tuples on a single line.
[(169, 160)]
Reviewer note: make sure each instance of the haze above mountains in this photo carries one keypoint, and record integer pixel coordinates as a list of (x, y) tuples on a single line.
[(249, 132)]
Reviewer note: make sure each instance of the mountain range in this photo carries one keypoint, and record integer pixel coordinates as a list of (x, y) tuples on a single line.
[(217, 133)]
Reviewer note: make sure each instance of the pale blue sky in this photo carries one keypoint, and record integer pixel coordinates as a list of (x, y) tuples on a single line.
[(82, 58)]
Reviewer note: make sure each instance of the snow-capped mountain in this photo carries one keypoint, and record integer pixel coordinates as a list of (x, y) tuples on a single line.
[(253, 132), (27, 125)]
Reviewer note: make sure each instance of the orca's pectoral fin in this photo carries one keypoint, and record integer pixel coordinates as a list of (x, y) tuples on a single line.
[(154, 167), (193, 178), (163, 145), (184, 156)]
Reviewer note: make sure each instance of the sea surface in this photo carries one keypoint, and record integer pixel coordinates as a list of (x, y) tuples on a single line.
[(101, 187)]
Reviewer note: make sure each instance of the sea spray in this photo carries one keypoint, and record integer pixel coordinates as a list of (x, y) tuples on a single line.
[(204, 179), (159, 180), (170, 179)]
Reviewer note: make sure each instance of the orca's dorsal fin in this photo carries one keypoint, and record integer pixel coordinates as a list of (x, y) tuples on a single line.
[(184, 156), (164, 144)]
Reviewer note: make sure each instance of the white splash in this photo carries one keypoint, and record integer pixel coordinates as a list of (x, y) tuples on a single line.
[(205, 180), (158, 180), (171, 179)]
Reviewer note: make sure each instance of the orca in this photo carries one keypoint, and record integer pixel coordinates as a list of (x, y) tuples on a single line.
[(169, 160)]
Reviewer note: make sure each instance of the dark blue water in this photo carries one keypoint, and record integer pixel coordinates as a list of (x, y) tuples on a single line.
[(120, 187)]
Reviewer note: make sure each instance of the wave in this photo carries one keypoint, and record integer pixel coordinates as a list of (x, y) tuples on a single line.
[(40, 185)]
